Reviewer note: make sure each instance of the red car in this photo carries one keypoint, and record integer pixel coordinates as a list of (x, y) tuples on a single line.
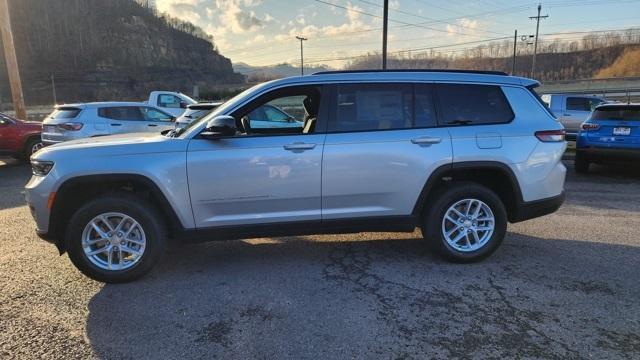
[(19, 138)]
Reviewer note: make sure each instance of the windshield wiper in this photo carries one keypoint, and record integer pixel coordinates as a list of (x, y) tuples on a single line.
[(460, 122)]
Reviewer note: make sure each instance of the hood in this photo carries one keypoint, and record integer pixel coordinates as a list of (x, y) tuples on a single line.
[(113, 146), (30, 124)]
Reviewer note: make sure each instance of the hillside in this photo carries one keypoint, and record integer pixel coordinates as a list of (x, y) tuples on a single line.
[(108, 50), (607, 55), (262, 73)]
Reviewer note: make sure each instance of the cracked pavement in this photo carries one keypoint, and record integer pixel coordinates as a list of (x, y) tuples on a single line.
[(563, 286)]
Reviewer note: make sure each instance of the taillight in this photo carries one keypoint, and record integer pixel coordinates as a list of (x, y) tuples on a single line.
[(590, 126), (550, 135), (70, 126)]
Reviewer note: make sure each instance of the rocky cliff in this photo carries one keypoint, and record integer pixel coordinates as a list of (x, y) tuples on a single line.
[(108, 50)]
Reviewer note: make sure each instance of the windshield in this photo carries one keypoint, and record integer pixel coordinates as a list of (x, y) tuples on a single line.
[(229, 104)]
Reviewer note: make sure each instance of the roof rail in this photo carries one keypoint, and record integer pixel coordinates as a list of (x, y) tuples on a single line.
[(485, 72)]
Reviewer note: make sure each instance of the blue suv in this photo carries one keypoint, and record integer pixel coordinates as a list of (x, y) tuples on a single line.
[(611, 134)]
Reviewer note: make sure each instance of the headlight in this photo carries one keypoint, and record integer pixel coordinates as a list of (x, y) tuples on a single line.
[(41, 168)]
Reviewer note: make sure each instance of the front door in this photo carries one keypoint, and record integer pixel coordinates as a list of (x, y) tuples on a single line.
[(156, 121), (8, 135), (260, 175)]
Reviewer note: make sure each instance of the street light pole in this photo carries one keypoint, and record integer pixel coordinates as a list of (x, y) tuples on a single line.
[(301, 54), (385, 22)]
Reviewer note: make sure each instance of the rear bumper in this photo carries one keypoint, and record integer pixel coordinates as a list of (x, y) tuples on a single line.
[(607, 154), (533, 209)]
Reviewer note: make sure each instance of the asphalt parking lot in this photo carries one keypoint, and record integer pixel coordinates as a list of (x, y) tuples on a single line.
[(563, 286)]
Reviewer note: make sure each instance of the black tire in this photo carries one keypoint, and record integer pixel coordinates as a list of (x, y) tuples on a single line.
[(434, 217), (581, 163), (137, 208), (28, 147)]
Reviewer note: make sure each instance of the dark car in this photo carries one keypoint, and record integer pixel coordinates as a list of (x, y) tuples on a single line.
[(611, 134), (19, 138)]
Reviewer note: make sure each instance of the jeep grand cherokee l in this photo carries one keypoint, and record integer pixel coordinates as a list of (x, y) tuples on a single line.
[(457, 154)]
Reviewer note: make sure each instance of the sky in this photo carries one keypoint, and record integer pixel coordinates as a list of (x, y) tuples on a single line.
[(262, 32)]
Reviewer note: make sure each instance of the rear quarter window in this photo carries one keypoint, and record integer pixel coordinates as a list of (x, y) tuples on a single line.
[(466, 104)]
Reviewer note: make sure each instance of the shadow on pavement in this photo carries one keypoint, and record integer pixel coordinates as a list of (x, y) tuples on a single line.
[(375, 298)]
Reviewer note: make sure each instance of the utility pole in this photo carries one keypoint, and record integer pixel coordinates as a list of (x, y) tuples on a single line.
[(385, 22), (301, 54), (12, 61), (535, 46), (515, 42)]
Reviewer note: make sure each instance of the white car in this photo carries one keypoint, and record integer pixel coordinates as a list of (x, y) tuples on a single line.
[(78, 121), (172, 102)]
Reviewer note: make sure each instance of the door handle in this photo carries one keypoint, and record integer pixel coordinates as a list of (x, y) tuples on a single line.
[(299, 146), (566, 114), (116, 124), (426, 140), (152, 125)]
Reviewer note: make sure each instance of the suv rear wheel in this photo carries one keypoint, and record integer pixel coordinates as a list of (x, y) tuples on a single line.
[(465, 223), (116, 238)]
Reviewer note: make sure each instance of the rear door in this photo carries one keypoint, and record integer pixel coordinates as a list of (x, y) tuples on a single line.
[(122, 119), (382, 144)]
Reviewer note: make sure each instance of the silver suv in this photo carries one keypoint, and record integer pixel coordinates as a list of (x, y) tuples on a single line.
[(78, 121), (457, 154)]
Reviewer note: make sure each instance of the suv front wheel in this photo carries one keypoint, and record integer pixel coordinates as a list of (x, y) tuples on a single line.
[(465, 223), (115, 238)]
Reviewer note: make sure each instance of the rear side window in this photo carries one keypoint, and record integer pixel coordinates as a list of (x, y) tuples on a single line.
[(127, 113), (616, 113), (362, 107), (65, 113), (582, 103), (473, 104)]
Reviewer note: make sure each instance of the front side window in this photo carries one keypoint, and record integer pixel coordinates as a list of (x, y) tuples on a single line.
[(366, 107), (582, 103), (286, 111), (124, 113), (169, 101), (151, 114), (462, 104)]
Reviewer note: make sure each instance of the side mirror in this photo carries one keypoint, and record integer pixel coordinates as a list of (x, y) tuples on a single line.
[(183, 105), (220, 126)]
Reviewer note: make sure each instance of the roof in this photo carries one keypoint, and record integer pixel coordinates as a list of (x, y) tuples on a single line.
[(101, 104), (622, 106), (205, 106), (408, 75)]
